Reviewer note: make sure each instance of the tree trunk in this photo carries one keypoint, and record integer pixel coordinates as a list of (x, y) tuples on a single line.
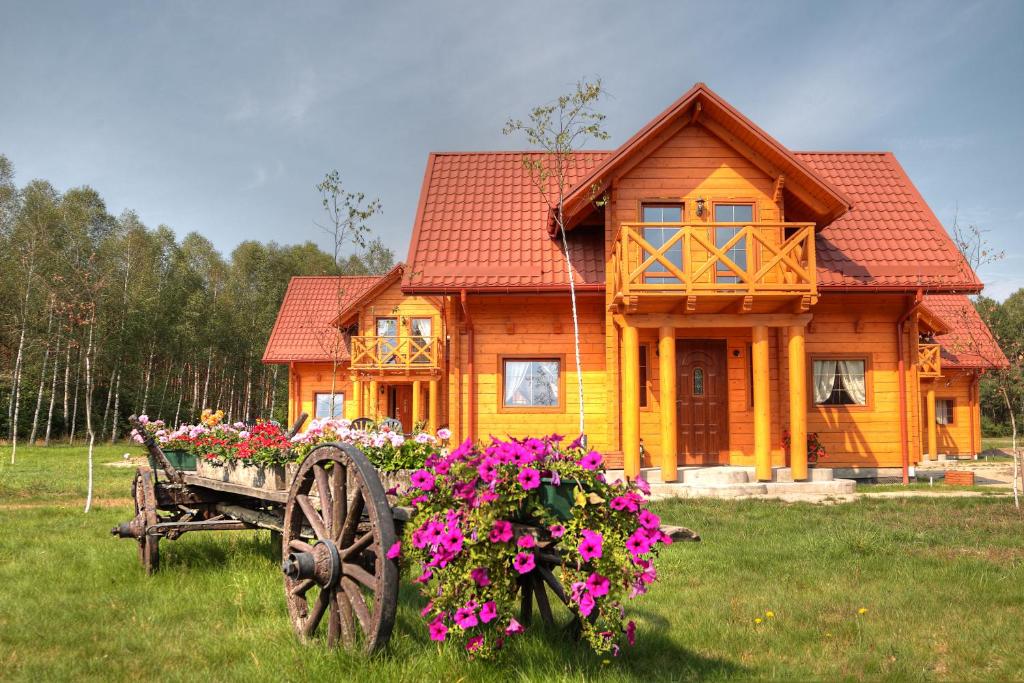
[(273, 391), (67, 379), (117, 405), (163, 393), (149, 375), (181, 395), (248, 392), (53, 393), (110, 396), (206, 382), (74, 408), (88, 413), (42, 381)]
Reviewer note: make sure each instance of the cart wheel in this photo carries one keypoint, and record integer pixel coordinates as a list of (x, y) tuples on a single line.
[(145, 515), (533, 588), (337, 529)]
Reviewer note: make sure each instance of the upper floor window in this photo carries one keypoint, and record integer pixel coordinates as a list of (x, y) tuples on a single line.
[(732, 213), (387, 338), (840, 382), (531, 383), (420, 329), (657, 237)]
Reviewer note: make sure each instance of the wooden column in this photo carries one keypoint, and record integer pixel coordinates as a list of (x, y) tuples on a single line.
[(374, 398), (667, 398), (352, 402), (762, 410), (631, 401), (417, 403), (432, 400), (932, 429), (797, 403)]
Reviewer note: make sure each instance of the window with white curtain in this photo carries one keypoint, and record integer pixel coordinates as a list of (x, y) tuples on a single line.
[(840, 382), (329, 405), (944, 411), (531, 383)]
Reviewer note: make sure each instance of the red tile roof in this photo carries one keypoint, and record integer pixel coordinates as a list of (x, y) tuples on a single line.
[(969, 344), (303, 330), (890, 238), (482, 224)]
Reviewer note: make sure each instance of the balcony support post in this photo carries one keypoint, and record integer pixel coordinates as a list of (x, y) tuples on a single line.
[(417, 403), (354, 406), (374, 400), (797, 404), (762, 410), (669, 415), (631, 401), (932, 453), (432, 401)]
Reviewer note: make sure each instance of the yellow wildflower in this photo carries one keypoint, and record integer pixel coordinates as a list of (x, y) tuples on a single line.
[(862, 610), (769, 614), (758, 620)]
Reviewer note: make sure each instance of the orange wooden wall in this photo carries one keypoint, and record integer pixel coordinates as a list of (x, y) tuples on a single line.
[(955, 439)]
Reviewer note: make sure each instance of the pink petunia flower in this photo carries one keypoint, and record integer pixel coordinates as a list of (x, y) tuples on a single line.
[(528, 478), (524, 562), (489, 612), (514, 627), (465, 618), (638, 544), (395, 550), (586, 604), (598, 585), (426, 610), (438, 631), (480, 576), (590, 461), (501, 532), (621, 503), (557, 530), (474, 643), (643, 486), (631, 633), (591, 545), (649, 520), (422, 480), (526, 541), (452, 542)]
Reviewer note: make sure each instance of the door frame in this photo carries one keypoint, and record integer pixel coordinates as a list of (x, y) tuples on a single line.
[(723, 457)]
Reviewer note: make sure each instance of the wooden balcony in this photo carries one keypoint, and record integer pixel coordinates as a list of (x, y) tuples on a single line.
[(714, 267), (929, 360), (400, 354)]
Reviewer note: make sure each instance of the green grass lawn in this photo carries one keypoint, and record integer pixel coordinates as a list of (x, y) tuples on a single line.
[(993, 442), (942, 581)]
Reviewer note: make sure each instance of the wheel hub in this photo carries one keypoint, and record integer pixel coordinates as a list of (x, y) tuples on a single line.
[(323, 565)]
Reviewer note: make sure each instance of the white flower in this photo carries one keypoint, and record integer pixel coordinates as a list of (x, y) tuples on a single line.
[(397, 440), (143, 419), (243, 435), (444, 434)]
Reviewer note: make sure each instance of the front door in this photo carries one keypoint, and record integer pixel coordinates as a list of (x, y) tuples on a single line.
[(703, 401), (400, 406)]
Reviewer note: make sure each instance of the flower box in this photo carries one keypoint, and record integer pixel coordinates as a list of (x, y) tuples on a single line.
[(558, 499), (211, 469), (397, 479), (265, 477), (959, 478), (180, 460)]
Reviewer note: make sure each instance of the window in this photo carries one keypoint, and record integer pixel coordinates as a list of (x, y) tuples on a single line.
[(420, 328), (644, 374), (531, 383), (840, 382), (698, 381), (324, 408), (944, 411), (732, 213), (387, 339), (663, 213)]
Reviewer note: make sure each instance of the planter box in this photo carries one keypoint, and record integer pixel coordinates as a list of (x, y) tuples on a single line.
[(398, 478), (205, 468), (960, 477), (559, 500), (266, 477), (180, 460)]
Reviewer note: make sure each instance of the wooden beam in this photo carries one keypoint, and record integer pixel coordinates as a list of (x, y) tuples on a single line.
[(762, 409), (932, 453), (417, 403), (656, 320), (667, 401), (434, 389), (797, 403), (631, 402)]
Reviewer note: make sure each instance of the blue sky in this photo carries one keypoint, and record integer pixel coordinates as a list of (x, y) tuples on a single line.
[(221, 117)]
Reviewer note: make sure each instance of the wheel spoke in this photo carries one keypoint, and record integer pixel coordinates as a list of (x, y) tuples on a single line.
[(333, 621), (319, 607), (302, 547), (359, 544), (348, 622), (359, 574), (302, 586), (355, 513), (355, 598), (338, 502), (313, 517), (325, 497)]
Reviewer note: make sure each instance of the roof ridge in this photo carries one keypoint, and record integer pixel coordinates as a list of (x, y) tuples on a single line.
[(864, 152), (514, 151)]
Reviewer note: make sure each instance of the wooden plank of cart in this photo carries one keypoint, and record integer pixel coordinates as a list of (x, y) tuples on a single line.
[(335, 524)]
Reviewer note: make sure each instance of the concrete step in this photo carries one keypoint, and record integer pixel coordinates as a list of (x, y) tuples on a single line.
[(836, 487), (714, 475), (707, 491)]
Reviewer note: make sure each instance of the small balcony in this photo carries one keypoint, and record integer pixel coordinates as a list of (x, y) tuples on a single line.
[(929, 360), (714, 266), (399, 354)]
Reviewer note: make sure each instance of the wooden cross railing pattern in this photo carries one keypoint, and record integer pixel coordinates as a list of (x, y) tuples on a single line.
[(747, 259), (929, 360), (394, 353)]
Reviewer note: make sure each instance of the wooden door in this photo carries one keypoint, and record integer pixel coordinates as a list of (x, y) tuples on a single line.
[(401, 406), (703, 402)]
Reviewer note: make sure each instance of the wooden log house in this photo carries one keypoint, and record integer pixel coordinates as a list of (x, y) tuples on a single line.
[(729, 291)]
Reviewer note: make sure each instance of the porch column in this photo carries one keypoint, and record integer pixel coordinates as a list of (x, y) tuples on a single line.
[(797, 404), (353, 406), (417, 403), (669, 419), (762, 411), (932, 453), (631, 401), (373, 400), (432, 399)]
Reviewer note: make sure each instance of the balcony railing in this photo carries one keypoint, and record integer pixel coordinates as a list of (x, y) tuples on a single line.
[(399, 353), (714, 259), (929, 360)]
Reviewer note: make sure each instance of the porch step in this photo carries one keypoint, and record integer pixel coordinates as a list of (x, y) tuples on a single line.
[(787, 490), (698, 475)]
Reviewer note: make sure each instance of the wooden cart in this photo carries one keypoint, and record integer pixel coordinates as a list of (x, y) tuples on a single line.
[(335, 524)]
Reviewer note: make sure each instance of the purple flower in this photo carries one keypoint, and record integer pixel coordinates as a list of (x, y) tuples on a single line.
[(526, 541), (513, 627), (598, 585), (426, 610), (474, 643), (465, 618), (638, 544), (480, 576), (488, 470), (395, 550), (643, 486), (438, 631), (631, 633), (557, 530), (649, 520), (623, 503), (590, 461), (586, 604), (422, 480), (489, 612), (523, 563), (501, 532), (529, 478), (591, 546), (452, 541)]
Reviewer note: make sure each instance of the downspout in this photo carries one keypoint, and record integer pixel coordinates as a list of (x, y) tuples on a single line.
[(470, 379), (902, 376)]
